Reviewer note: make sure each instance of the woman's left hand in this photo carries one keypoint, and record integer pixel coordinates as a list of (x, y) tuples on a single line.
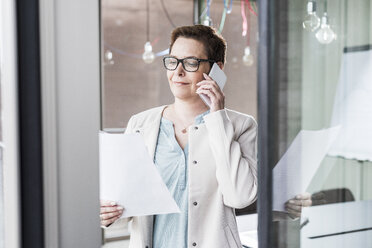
[(210, 88), (294, 206)]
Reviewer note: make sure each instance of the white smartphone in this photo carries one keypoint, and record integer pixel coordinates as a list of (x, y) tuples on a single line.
[(217, 75)]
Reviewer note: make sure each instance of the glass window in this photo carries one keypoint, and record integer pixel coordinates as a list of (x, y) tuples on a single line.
[(130, 85), (324, 80)]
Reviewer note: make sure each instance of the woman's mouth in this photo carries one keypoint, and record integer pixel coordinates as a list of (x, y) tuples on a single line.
[(180, 83)]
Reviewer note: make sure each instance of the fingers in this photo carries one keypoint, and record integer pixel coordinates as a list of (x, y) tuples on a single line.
[(211, 88), (108, 218), (303, 196), (301, 203), (213, 91), (109, 221), (294, 206), (107, 203), (294, 211), (303, 200), (110, 209), (206, 76), (109, 212), (207, 92), (208, 81), (110, 215)]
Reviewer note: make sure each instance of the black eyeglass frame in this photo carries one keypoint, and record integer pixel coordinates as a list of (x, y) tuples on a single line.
[(183, 65)]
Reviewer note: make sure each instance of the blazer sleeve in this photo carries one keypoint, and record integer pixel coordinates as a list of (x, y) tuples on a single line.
[(235, 153), (130, 125)]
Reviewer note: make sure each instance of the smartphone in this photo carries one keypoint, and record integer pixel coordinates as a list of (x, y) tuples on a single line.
[(217, 75)]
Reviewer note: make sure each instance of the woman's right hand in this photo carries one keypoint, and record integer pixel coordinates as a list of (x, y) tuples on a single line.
[(109, 212)]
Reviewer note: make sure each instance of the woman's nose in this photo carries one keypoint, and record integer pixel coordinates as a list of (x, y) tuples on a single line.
[(180, 71)]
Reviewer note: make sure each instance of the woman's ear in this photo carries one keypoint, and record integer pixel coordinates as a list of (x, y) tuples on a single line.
[(220, 64)]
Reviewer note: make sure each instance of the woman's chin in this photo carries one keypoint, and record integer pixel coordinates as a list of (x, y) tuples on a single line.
[(181, 94), (185, 95)]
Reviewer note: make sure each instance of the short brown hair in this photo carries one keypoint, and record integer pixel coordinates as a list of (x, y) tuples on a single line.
[(214, 43)]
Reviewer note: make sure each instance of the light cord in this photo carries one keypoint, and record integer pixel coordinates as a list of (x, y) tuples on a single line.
[(147, 20), (167, 14)]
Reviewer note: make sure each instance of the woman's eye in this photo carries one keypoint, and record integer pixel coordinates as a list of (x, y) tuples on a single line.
[(192, 64)]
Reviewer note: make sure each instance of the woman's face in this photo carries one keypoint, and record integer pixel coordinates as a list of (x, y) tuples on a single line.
[(183, 83)]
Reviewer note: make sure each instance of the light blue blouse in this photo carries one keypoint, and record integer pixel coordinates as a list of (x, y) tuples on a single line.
[(170, 230)]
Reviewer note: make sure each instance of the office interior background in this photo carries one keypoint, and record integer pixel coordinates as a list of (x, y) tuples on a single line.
[(72, 68)]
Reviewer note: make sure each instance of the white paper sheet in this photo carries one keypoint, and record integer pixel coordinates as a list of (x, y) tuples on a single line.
[(129, 177), (293, 173), (353, 107)]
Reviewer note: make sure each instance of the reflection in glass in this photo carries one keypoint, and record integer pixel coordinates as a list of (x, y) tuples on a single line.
[(311, 21), (319, 87), (325, 34)]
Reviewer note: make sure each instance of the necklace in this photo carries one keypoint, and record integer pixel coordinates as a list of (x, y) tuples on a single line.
[(183, 130)]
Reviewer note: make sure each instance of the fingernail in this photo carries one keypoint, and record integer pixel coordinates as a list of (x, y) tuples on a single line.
[(291, 201), (113, 203), (119, 208)]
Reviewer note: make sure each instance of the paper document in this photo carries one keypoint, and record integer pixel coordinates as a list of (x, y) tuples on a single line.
[(129, 177), (294, 171), (352, 107)]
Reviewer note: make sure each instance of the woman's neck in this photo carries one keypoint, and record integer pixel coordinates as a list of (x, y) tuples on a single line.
[(188, 110)]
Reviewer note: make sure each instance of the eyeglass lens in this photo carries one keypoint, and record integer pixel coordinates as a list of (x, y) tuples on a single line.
[(189, 64)]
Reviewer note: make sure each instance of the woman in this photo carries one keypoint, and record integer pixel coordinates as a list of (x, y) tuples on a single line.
[(206, 156)]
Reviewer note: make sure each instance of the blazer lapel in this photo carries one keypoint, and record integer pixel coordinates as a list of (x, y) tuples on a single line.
[(151, 132)]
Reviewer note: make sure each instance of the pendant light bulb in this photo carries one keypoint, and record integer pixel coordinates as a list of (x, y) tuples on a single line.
[(248, 58), (311, 21), (148, 56), (109, 58), (207, 21), (325, 34)]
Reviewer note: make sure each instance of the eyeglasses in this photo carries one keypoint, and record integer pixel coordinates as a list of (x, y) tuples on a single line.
[(190, 64)]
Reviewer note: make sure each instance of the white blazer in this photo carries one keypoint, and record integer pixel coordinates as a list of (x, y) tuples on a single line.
[(222, 176)]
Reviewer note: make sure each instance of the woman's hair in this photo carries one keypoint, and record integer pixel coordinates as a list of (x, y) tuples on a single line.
[(214, 43)]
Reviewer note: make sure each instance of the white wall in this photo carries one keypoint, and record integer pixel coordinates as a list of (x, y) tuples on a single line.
[(70, 53)]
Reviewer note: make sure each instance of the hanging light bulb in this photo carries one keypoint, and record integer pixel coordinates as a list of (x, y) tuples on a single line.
[(148, 56), (207, 21), (248, 58), (109, 58), (325, 34), (312, 21)]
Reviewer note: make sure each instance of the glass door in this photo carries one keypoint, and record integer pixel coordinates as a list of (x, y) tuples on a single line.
[(321, 116)]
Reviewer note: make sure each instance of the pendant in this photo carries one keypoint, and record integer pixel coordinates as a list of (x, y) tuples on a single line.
[(184, 130)]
